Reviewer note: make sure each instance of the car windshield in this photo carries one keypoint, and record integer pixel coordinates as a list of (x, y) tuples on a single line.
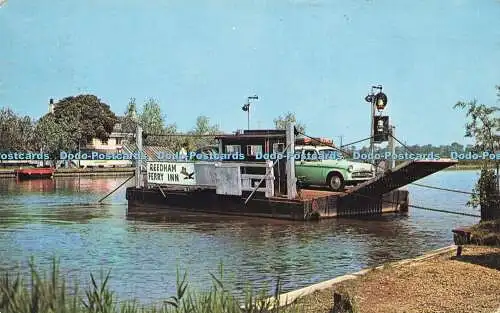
[(329, 153)]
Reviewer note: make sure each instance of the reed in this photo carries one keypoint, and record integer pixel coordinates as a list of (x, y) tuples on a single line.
[(49, 293)]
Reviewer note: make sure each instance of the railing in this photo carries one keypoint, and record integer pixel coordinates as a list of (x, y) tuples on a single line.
[(227, 178), (131, 149)]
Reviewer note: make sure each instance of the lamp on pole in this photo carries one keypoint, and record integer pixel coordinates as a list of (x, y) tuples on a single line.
[(246, 108), (378, 101)]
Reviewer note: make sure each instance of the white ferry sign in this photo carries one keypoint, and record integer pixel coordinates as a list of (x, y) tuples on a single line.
[(171, 173)]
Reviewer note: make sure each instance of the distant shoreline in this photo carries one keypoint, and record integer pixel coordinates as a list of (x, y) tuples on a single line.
[(72, 172), (464, 167), (127, 171)]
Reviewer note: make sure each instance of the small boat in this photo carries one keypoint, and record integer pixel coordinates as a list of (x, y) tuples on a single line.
[(34, 173)]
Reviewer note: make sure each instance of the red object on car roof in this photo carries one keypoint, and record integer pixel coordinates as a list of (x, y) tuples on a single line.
[(314, 141)]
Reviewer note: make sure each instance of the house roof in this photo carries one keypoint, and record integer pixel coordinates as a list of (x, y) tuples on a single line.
[(153, 153)]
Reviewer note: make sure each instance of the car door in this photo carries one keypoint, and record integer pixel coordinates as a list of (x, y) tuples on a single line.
[(310, 166), (300, 167)]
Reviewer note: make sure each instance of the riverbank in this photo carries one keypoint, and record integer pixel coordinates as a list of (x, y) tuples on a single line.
[(440, 283), (435, 282), (74, 172)]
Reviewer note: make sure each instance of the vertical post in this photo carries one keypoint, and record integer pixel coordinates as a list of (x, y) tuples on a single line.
[(248, 116), (291, 181), (79, 153), (372, 131), (269, 179), (498, 178), (393, 134), (220, 146), (138, 171), (392, 146)]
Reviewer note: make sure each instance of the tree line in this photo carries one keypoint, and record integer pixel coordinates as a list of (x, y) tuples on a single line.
[(444, 151), (76, 120)]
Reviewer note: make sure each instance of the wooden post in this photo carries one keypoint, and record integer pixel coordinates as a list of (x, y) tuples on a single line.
[(291, 180), (269, 179), (138, 171), (337, 302), (220, 146)]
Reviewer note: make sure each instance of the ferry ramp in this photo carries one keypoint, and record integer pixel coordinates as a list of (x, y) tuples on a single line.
[(399, 176)]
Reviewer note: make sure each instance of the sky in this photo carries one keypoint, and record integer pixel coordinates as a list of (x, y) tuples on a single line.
[(316, 58)]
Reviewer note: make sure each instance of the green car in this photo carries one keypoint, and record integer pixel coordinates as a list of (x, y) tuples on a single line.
[(322, 166)]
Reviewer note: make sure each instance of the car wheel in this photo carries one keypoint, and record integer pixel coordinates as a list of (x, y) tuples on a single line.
[(335, 182)]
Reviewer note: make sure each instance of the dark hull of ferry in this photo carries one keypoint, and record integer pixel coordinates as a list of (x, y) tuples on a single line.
[(323, 205)]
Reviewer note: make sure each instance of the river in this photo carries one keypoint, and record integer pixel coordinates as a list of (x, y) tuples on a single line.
[(59, 217)]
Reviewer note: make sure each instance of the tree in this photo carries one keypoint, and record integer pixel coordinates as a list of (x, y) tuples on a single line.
[(152, 122), (130, 120), (131, 109), (484, 126), (85, 117), (281, 122), (16, 132), (202, 127), (151, 118), (52, 136), (455, 146)]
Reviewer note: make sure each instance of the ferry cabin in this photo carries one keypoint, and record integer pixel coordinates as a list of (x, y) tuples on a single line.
[(255, 143)]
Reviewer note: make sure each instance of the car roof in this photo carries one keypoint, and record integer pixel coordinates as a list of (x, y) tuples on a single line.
[(313, 147)]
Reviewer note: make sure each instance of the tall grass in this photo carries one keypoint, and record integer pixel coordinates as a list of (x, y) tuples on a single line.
[(50, 293)]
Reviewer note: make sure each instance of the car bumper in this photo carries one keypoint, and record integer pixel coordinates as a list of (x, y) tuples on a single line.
[(361, 176)]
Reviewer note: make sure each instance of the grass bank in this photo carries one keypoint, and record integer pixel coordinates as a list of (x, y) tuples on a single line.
[(442, 283), (50, 292)]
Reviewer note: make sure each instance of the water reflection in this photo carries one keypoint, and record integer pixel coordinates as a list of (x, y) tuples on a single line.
[(61, 217), (13, 186), (48, 200)]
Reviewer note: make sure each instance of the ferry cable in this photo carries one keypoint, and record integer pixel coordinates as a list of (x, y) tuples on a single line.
[(180, 135), (418, 207), (416, 184), (444, 189), (102, 199), (383, 169), (330, 146), (358, 141), (428, 186)]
